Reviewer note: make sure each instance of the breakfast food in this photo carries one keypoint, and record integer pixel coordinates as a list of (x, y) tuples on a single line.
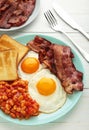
[(58, 59), (46, 89), (70, 77), (15, 12), (3, 47), (8, 43), (35, 78), (8, 65), (11, 52), (29, 66), (15, 100)]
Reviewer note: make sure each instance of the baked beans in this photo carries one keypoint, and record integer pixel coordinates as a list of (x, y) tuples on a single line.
[(16, 101)]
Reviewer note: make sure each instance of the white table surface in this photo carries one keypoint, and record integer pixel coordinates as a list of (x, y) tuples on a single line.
[(78, 117)]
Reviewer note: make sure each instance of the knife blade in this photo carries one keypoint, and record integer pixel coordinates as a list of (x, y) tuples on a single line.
[(67, 18)]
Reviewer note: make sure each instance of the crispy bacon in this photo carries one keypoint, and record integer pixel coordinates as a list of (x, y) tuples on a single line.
[(15, 12), (71, 79), (6, 14), (58, 59), (2, 2)]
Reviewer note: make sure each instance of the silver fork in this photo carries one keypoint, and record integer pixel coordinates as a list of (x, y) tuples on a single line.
[(55, 26)]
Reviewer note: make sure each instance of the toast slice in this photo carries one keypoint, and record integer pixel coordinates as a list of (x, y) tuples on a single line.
[(8, 42), (2, 47), (8, 65)]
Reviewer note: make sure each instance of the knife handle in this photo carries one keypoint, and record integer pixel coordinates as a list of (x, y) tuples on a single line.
[(83, 32)]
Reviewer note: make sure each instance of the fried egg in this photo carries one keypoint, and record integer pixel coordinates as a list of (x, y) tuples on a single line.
[(46, 89), (29, 66)]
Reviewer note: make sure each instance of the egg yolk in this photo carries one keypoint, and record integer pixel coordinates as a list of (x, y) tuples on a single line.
[(46, 86), (30, 65)]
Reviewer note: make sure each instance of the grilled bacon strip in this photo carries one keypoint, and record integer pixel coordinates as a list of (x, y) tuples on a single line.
[(71, 78), (58, 59), (6, 13), (15, 12), (2, 3)]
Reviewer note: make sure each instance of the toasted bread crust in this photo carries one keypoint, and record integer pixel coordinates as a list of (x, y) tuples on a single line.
[(9, 43)]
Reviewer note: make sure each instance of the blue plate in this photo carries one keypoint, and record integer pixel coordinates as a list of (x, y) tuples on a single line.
[(71, 99)]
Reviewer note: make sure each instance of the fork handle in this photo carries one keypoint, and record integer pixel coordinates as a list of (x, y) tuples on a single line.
[(82, 52)]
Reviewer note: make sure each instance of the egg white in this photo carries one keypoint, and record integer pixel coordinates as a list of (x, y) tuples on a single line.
[(27, 76), (49, 103)]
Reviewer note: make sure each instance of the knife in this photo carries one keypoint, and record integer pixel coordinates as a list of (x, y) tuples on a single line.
[(66, 18)]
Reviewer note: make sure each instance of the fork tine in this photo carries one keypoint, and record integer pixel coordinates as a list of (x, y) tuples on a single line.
[(46, 14), (50, 18)]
